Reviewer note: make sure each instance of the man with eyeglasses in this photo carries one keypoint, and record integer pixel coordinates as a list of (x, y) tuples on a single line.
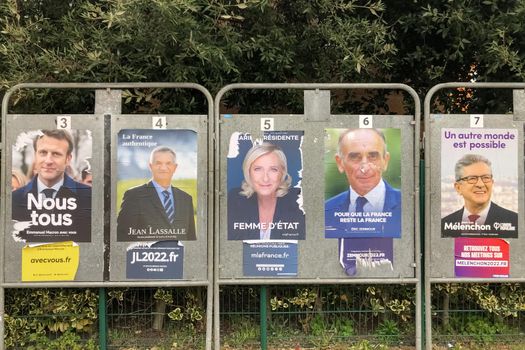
[(480, 217)]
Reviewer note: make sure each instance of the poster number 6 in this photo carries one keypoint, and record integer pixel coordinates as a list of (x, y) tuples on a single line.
[(476, 120), (63, 122), (365, 121), (159, 123), (267, 124)]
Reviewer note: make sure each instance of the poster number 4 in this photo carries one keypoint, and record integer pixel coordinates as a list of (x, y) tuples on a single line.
[(267, 124), (476, 120), (159, 122), (365, 121), (63, 122)]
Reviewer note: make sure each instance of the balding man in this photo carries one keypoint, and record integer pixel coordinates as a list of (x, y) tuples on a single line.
[(370, 207)]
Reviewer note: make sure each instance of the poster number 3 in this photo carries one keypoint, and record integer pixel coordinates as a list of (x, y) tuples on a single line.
[(476, 120), (63, 122), (159, 122), (267, 124), (365, 121)]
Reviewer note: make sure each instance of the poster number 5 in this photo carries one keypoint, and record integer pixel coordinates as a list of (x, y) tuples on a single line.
[(159, 123), (365, 121), (267, 124), (63, 122), (476, 120)]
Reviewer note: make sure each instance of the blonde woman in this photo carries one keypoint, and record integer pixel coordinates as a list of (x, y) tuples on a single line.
[(18, 179), (265, 207)]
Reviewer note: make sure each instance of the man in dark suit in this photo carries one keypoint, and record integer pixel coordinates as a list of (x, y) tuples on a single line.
[(370, 207), (480, 217), (157, 210), (52, 207)]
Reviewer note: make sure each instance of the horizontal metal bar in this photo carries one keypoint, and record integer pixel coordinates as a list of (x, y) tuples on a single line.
[(476, 280), (77, 284), (316, 281), (104, 85)]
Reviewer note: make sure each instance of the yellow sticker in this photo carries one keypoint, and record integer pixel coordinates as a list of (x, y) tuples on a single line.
[(50, 262)]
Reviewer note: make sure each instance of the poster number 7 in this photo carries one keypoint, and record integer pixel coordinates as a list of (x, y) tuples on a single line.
[(476, 120)]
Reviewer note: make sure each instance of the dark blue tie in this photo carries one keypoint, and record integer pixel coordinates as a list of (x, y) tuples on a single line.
[(359, 204), (168, 206), (350, 266), (48, 192)]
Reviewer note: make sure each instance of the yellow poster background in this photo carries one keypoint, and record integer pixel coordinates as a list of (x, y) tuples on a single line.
[(50, 262)]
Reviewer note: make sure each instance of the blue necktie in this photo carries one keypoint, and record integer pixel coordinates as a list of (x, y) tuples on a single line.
[(48, 192), (350, 266), (168, 206), (359, 204)]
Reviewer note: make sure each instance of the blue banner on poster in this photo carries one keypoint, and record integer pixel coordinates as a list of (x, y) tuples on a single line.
[(160, 260), (366, 255), (270, 258), (267, 170)]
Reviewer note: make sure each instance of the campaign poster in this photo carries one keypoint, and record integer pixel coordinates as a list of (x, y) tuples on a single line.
[(264, 186), (156, 185), (51, 178), (159, 260), (277, 258), (479, 183), (362, 183), (50, 262), (481, 257), (366, 256)]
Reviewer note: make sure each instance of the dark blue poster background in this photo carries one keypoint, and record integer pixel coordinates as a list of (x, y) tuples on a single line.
[(291, 149), (270, 258), (161, 260)]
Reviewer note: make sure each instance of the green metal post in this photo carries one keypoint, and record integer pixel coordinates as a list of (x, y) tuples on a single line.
[(422, 240), (264, 338), (102, 323)]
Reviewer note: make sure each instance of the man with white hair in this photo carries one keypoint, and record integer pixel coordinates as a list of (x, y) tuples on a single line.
[(157, 210)]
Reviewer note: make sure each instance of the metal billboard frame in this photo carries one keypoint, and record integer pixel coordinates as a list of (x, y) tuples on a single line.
[(427, 248), (88, 284), (283, 281)]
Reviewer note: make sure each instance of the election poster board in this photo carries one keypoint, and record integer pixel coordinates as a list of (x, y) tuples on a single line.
[(265, 172), (475, 178), (362, 164), (159, 198), (156, 168), (479, 183), (362, 197), (265, 201), (372, 256), (51, 182)]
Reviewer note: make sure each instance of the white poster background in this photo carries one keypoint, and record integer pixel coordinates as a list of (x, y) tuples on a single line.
[(504, 168)]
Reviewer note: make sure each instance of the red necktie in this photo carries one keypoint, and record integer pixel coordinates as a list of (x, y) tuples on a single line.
[(473, 217)]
